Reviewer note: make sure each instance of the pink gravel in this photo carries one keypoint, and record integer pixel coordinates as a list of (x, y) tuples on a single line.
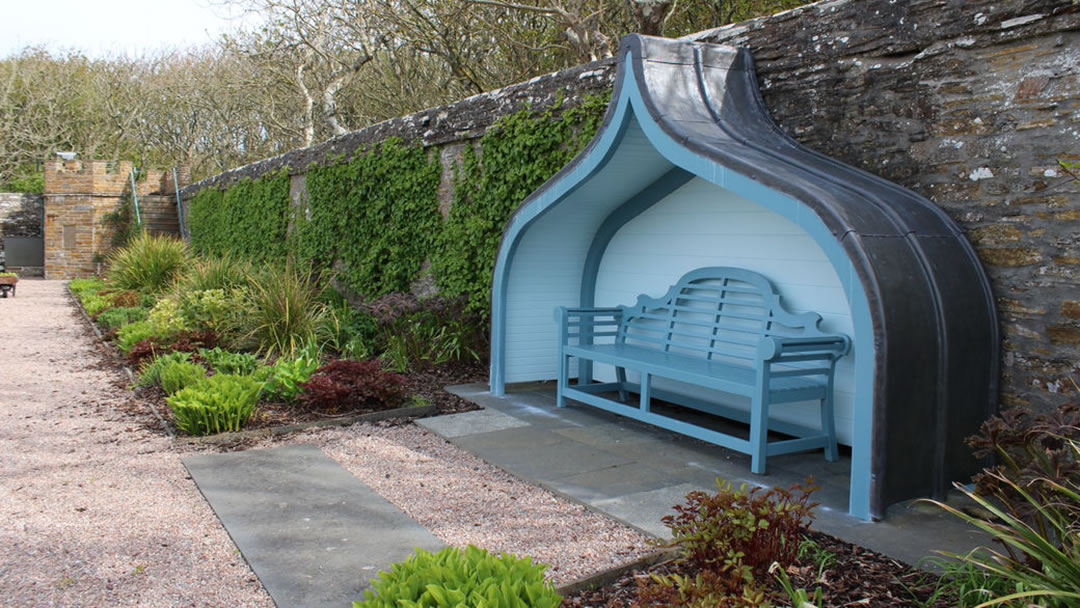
[(95, 510)]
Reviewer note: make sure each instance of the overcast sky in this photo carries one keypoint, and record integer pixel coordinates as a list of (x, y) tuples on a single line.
[(99, 27)]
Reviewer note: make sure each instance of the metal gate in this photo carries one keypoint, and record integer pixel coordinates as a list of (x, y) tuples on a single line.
[(21, 251)]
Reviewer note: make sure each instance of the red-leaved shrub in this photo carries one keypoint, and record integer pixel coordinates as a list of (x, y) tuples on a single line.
[(345, 384)]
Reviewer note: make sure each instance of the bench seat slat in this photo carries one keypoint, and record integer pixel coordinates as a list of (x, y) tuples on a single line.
[(719, 375)]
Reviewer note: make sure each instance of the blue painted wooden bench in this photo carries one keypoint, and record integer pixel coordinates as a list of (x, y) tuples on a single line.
[(720, 328)]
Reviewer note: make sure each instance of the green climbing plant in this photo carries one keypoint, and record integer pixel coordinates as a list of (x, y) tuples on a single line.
[(522, 152), (378, 215), (250, 219)]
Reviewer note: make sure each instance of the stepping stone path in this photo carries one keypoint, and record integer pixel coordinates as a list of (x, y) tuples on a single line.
[(314, 534)]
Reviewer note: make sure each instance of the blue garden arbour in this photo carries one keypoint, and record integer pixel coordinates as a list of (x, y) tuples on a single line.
[(923, 324)]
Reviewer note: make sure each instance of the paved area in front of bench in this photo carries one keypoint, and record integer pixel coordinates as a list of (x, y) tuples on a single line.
[(314, 534), (636, 473)]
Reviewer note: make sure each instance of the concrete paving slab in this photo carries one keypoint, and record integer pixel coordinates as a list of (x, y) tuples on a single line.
[(643, 510), (470, 423), (910, 532), (613, 482), (314, 534), (538, 459)]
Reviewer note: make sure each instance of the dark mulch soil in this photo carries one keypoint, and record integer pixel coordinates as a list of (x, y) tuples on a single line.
[(858, 577)]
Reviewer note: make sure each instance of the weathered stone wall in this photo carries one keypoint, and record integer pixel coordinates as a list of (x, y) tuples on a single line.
[(971, 103), (20, 215)]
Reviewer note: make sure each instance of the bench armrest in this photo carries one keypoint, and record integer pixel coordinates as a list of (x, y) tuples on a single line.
[(583, 323), (788, 350)]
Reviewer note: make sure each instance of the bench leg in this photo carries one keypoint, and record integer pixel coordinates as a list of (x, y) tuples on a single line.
[(564, 379), (620, 377), (646, 391), (759, 434), (828, 426)]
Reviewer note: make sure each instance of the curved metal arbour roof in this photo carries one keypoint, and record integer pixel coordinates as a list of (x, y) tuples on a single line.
[(934, 333)]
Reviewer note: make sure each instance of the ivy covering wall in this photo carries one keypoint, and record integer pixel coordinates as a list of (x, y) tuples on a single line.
[(375, 219), (249, 220)]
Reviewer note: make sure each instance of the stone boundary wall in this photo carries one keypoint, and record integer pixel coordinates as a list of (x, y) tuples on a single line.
[(971, 103), (20, 215)]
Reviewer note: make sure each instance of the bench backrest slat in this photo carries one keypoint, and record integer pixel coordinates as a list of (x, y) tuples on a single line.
[(711, 312)]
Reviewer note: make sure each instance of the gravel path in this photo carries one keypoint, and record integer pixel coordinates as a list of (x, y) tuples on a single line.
[(95, 510)]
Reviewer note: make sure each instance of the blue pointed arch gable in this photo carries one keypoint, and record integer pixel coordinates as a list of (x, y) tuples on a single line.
[(922, 314)]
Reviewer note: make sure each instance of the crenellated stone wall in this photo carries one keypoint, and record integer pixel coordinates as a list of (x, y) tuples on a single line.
[(972, 103)]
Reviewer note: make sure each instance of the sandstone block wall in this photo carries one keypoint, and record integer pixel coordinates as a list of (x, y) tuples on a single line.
[(971, 103), (78, 196)]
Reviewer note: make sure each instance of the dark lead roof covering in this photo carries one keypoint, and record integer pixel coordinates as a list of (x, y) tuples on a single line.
[(935, 329)]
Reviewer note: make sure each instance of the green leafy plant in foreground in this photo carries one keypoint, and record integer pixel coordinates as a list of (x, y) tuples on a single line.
[(177, 375), (150, 373), (115, 318), (218, 404), (284, 379), (461, 577)]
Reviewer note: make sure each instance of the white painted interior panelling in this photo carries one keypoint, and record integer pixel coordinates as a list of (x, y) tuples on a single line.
[(702, 225)]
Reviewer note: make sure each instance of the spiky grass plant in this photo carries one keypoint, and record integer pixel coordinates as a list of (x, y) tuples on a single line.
[(149, 263), (218, 272), (284, 311), (1041, 562)]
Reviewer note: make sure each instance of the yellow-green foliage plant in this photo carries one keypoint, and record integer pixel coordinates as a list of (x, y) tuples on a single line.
[(461, 577), (218, 404)]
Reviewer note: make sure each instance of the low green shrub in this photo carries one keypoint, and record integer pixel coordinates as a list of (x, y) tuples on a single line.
[(225, 362), (166, 318), (148, 263), (150, 373), (216, 309), (95, 304), (461, 577), (133, 333), (284, 379), (188, 341), (114, 318), (177, 375), (82, 287), (218, 404)]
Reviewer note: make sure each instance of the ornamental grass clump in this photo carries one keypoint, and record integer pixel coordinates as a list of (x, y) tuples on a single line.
[(1032, 496), (461, 577), (218, 404), (222, 272), (284, 313), (148, 263)]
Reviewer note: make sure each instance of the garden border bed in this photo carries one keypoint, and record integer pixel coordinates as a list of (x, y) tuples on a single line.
[(416, 411)]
